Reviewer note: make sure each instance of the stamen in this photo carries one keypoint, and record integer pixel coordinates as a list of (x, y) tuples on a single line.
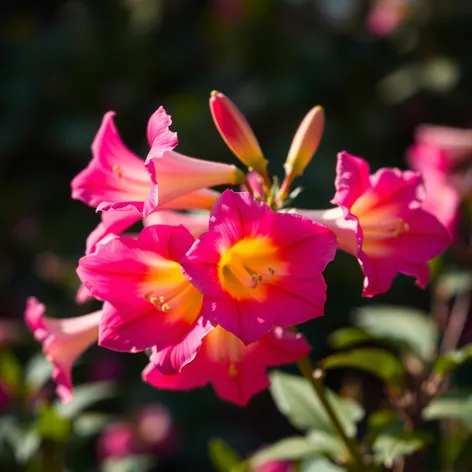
[(388, 230), (233, 370), (117, 170)]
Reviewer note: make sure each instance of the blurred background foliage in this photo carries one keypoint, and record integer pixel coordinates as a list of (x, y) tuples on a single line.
[(64, 64)]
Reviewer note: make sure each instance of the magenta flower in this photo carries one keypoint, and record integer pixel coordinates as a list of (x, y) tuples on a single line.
[(117, 179), (142, 278), (236, 371), (257, 268), (443, 188), (116, 441), (63, 340), (380, 221), (275, 466)]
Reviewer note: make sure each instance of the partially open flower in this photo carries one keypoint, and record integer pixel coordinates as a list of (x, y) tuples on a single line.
[(305, 142), (236, 132), (63, 340)]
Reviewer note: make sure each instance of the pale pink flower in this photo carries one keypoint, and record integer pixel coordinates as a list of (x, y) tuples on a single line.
[(379, 220), (455, 143), (386, 16), (116, 441), (63, 340), (142, 278), (236, 371), (443, 190), (257, 268)]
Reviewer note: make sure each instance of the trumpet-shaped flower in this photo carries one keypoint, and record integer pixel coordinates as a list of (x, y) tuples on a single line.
[(63, 340), (258, 268), (236, 371), (118, 179), (380, 221), (142, 278)]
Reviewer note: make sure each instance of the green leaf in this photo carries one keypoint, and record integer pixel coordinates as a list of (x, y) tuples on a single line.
[(453, 406), (298, 447), (11, 372), (223, 457), (24, 442), (319, 464), (84, 396), (296, 399), (376, 361), (451, 360), (389, 446), (37, 372), (347, 337), (52, 425), (128, 464), (411, 328)]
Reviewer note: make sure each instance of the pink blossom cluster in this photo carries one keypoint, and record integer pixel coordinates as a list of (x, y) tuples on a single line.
[(213, 286)]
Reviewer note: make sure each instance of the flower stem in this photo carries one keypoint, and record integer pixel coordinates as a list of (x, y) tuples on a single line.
[(315, 378)]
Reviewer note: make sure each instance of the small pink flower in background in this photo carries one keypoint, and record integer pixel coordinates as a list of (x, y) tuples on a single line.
[(236, 371), (155, 430), (455, 143), (151, 430), (63, 340), (380, 221), (142, 278), (258, 268), (275, 466), (442, 197), (386, 16), (116, 441)]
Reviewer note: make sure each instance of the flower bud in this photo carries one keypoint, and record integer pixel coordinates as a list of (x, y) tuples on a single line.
[(305, 142), (236, 132)]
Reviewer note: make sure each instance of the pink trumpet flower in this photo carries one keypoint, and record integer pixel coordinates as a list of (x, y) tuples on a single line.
[(118, 179), (63, 340), (257, 268), (379, 220), (236, 371), (142, 278)]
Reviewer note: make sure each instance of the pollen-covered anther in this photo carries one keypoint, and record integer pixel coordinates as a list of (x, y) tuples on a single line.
[(117, 170), (403, 227), (233, 370), (158, 302)]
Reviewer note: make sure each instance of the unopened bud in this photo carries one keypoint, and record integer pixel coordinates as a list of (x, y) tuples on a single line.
[(305, 142), (236, 132)]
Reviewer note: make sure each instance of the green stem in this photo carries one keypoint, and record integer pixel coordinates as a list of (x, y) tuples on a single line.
[(315, 379)]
